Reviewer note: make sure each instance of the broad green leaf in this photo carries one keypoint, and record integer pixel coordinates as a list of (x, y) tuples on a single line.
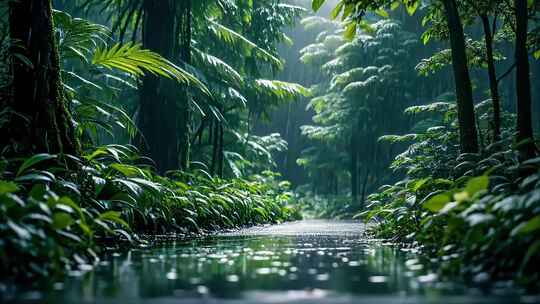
[(476, 185), (350, 30), (411, 6), (126, 170), (35, 178), (8, 187), (437, 202), (336, 11), (383, 13), (395, 5), (62, 220), (530, 226), (113, 216), (536, 54), (426, 36), (36, 159), (316, 4)]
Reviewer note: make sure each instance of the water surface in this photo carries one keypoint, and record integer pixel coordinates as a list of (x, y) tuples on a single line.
[(301, 262)]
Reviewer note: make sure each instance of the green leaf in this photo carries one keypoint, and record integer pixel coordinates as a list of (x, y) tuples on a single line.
[(476, 185), (426, 36), (437, 202), (113, 216), (316, 4), (381, 12), (36, 159), (62, 220), (536, 54), (411, 6), (126, 170), (530, 226), (8, 187), (34, 178), (350, 30), (336, 11)]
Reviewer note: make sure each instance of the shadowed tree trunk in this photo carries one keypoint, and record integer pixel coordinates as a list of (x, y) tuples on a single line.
[(465, 104), (354, 164), (523, 85), (158, 113), (184, 123), (42, 122), (493, 84)]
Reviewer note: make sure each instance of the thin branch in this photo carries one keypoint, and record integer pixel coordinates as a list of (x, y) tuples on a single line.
[(507, 72)]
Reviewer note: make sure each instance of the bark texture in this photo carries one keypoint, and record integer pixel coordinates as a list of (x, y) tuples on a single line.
[(465, 105), (158, 112), (523, 84), (493, 84), (39, 120)]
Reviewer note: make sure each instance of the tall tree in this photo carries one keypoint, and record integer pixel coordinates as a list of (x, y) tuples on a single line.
[(523, 84), (465, 104), (184, 104), (158, 115), (41, 121), (356, 9), (354, 164), (489, 33)]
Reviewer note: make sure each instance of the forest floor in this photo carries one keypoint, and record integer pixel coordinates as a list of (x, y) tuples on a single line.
[(313, 261)]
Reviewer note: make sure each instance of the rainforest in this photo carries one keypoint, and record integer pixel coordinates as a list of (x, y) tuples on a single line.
[(269, 151)]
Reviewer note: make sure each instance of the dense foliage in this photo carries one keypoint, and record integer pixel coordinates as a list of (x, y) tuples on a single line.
[(465, 186), (88, 161), (55, 215)]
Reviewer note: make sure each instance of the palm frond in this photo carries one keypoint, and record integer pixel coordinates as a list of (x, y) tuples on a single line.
[(281, 89), (215, 66), (133, 59), (78, 38), (232, 37)]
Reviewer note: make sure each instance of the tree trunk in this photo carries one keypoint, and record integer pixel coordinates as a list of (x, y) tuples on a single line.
[(41, 121), (184, 123), (221, 150), (158, 113), (354, 166), (523, 85), (465, 104), (215, 147), (493, 84)]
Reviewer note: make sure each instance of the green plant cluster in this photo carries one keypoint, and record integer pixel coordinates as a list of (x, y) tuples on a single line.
[(56, 210), (478, 214)]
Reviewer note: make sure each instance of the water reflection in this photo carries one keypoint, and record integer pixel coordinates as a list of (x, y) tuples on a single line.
[(278, 269)]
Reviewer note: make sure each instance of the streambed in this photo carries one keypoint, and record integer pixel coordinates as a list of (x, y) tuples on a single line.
[(301, 262)]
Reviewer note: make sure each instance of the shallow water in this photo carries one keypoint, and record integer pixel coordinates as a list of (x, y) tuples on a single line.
[(302, 262)]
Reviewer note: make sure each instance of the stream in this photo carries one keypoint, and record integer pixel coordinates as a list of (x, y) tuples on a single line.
[(313, 261)]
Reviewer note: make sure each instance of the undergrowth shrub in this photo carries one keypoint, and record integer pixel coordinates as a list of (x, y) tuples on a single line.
[(56, 209)]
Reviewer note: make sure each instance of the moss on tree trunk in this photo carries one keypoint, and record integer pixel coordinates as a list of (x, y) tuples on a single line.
[(42, 122)]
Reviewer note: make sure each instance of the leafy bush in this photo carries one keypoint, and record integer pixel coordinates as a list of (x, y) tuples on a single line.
[(56, 209), (479, 213)]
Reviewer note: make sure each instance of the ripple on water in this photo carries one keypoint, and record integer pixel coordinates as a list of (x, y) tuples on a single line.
[(290, 262)]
